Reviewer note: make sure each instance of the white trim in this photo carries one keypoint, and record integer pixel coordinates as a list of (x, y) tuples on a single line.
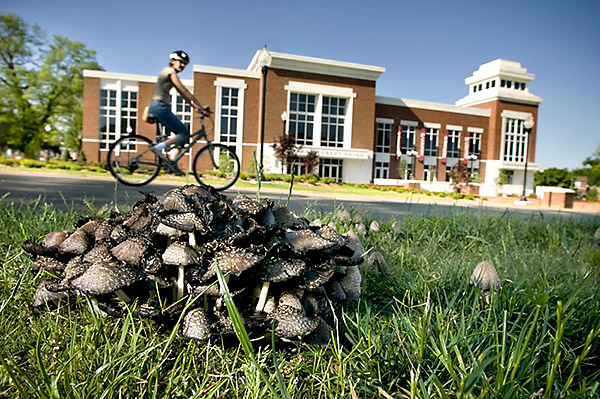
[(474, 130), (235, 83), (384, 120), (431, 125), (242, 73), (515, 114), (88, 73), (402, 102), (314, 65), (456, 127), (241, 85), (409, 123), (313, 88)]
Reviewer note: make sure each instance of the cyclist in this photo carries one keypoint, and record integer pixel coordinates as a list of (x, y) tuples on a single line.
[(160, 106)]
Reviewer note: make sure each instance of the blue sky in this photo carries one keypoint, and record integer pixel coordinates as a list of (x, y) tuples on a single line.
[(427, 47)]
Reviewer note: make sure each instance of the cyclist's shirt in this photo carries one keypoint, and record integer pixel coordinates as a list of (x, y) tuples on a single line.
[(163, 86)]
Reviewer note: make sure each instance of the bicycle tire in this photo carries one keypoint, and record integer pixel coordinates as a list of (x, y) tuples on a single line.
[(127, 166), (222, 175)]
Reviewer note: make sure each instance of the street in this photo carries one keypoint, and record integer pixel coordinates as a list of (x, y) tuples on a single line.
[(66, 191)]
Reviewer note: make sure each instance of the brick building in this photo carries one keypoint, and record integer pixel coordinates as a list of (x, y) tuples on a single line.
[(332, 108)]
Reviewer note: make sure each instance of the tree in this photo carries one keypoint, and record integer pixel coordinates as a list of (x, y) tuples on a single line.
[(459, 175), (286, 150), (553, 177), (591, 168), (42, 87), (311, 161)]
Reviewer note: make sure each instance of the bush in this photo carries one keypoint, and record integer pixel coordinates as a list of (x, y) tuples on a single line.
[(32, 163), (8, 161), (592, 195)]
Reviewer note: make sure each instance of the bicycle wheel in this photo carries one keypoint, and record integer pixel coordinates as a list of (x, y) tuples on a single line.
[(131, 162), (217, 166)]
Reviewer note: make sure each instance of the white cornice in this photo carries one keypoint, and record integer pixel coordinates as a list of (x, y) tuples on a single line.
[(88, 73), (501, 94), (317, 65), (500, 68), (242, 73), (401, 102)]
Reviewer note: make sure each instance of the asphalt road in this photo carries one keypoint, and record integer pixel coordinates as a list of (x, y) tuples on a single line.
[(70, 191)]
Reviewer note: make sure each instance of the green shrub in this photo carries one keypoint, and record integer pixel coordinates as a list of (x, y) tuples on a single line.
[(592, 195), (32, 163), (8, 161)]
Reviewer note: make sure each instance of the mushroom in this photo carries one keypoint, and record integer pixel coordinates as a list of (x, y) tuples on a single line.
[(486, 278), (76, 244), (290, 318), (43, 295), (306, 240), (105, 277), (196, 325), (180, 254), (131, 250), (174, 200)]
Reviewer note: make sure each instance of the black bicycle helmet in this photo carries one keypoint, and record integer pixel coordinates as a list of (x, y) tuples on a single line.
[(180, 55)]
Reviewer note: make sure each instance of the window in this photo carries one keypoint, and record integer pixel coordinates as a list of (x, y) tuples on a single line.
[(429, 173), (515, 139), (431, 137), (320, 115), (302, 117), (493, 83), (115, 102), (453, 144), (183, 110), (382, 170), (331, 168), (229, 115), (332, 122), (407, 137), (384, 137), (475, 143)]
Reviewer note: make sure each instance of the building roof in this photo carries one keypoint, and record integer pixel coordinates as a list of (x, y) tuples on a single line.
[(313, 65)]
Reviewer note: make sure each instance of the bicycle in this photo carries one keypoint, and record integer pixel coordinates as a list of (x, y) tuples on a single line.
[(132, 163)]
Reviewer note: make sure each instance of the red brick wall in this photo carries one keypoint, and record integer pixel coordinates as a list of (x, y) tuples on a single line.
[(91, 118)]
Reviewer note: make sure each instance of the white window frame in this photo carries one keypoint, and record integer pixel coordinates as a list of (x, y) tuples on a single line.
[(519, 140), (241, 85), (387, 125), (119, 86), (320, 91)]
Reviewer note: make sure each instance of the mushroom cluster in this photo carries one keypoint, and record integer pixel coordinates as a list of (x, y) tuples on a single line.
[(282, 272)]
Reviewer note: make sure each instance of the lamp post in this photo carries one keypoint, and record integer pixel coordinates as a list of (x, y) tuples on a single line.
[(528, 125), (413, 154), (264, 60)]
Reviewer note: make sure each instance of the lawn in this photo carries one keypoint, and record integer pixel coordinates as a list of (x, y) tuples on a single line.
[(418, 331)]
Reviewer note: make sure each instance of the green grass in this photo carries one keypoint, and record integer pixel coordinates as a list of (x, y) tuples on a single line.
[(419, 330)]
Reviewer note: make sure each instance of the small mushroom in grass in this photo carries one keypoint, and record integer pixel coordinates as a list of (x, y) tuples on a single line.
[(44, 296), (180, 254), (290, 318), (486, 278), (196, 325)]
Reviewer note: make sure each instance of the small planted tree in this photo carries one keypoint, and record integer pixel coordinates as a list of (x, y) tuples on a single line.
[(459, 176), (311, 161), (286, 150)]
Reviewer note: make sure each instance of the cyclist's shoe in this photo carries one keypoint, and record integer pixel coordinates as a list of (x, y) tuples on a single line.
[(176, 171), (160, 154)]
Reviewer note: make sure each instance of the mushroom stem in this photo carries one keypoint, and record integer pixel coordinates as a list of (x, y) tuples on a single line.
[(262, 299), (180, 282)]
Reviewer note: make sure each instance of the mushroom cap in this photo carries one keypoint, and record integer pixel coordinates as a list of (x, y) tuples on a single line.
[(315, 277), (180, 254), (49, 264), (321, 336), (53, 240), (485, 277), (276, 270), (103, 231), (290, 318), (106, 277), (139, 218), (351, 281), (168, 231), (244, 204), (175, 200), (329, 233), (285, 219), (307, 240), (76, 244), (196, 325), (186, 221), (131, 250), (43, 296), (76, 267), (232, 260), (99, 252)]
